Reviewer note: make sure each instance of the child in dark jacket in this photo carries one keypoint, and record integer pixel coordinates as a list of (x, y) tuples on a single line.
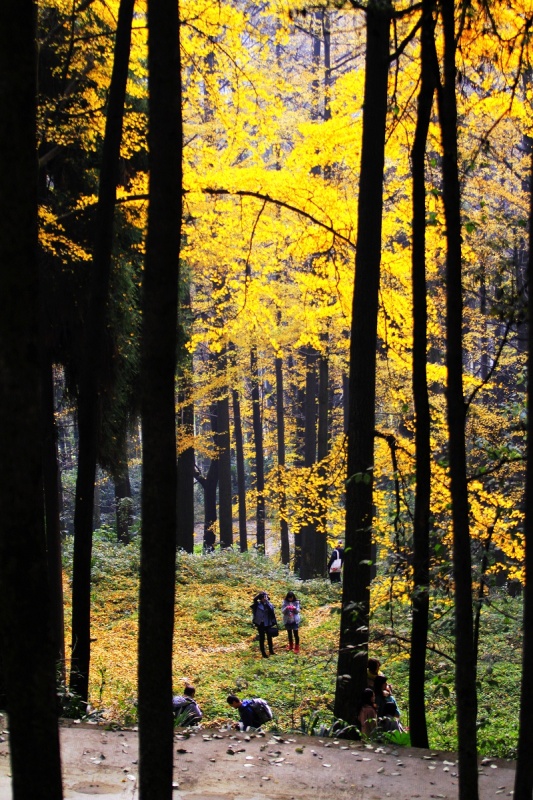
[(264, 617)]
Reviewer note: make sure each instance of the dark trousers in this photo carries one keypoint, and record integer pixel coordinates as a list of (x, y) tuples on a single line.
[(335, 577), (296, 636), (262, 633)]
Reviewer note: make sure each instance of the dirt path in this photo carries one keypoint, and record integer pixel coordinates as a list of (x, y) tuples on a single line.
[(224, 765)]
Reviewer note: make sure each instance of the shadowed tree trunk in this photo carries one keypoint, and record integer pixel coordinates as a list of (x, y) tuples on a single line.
[(28, 658), (465, 665), (158, 369), (353, 644), (420, 597), (224, 459), (259, 457), (280, 427), (121, 480), (241, 483), (88, 402), (52, 504), (185, 506), (523, 788), (308, 532)]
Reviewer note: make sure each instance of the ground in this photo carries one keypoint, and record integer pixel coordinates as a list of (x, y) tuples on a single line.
[(228, 765)]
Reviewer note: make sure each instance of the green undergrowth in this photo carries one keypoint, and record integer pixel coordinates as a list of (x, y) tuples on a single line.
[(216, 648)]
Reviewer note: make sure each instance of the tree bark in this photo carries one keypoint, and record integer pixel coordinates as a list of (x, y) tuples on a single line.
[(52, 505), (280, 427), (353, 644), (88, 402), (523, 788), (259, 457), (465, 670), (308, 531), (241, 483), (158, 365), (420, 596), (225, 509), (323, 440), (28, 657), (121, 480)]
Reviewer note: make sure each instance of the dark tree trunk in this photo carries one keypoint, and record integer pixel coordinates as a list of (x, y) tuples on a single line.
[(224, 460), (523, 788), (259, 458), (298, 405), (158, 365), (185, 506), (241, 482), (353, 645), (28, 657), (465, 670), (280, 425), (88, 416), (121, 479), (321, 544), (308, 532), (420, 597), (52, 504)]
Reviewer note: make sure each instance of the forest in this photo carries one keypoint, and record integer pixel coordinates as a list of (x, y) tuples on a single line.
[(264, 287)]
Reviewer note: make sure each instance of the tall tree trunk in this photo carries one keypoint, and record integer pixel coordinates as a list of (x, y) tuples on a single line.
[(353, 645), (52, 505), (280, 426), (122, 483), (420, 597), (28, 658), (185, 505), (308, 532), (224, 459), (88, 416), (465, 670), (323, 439), (259, 458), (241, 483), (159, 356), (523, 788)]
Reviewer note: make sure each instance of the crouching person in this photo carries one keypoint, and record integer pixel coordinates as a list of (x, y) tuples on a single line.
[(253, 713), (185, 708)]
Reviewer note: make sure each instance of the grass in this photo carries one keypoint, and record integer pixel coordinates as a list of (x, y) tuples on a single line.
[(216, 649)]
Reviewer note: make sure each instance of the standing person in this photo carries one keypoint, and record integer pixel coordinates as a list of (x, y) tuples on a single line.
[(335, 563), (264, 618), (185, 708), (290, 608)]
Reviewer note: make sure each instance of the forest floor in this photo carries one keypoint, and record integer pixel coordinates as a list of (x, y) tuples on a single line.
[(226, 765)]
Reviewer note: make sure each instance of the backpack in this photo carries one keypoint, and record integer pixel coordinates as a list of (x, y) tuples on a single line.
[(262, 709)]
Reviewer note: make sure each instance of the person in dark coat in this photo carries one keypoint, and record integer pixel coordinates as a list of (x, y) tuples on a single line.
[(335, 563), (247, 712), (264, 617), (186, 703)]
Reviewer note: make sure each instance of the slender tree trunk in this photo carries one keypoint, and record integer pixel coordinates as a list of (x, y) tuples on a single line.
[(259, 458), (323, 439), (523, 788), (241, 482), (28, 657), (308, 532), (353, 645), (420, 597), (280, 420), (465, 671), (224, 475), (52, 504), (185, 507), (123, 491), (88, 416), (159, 356)]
